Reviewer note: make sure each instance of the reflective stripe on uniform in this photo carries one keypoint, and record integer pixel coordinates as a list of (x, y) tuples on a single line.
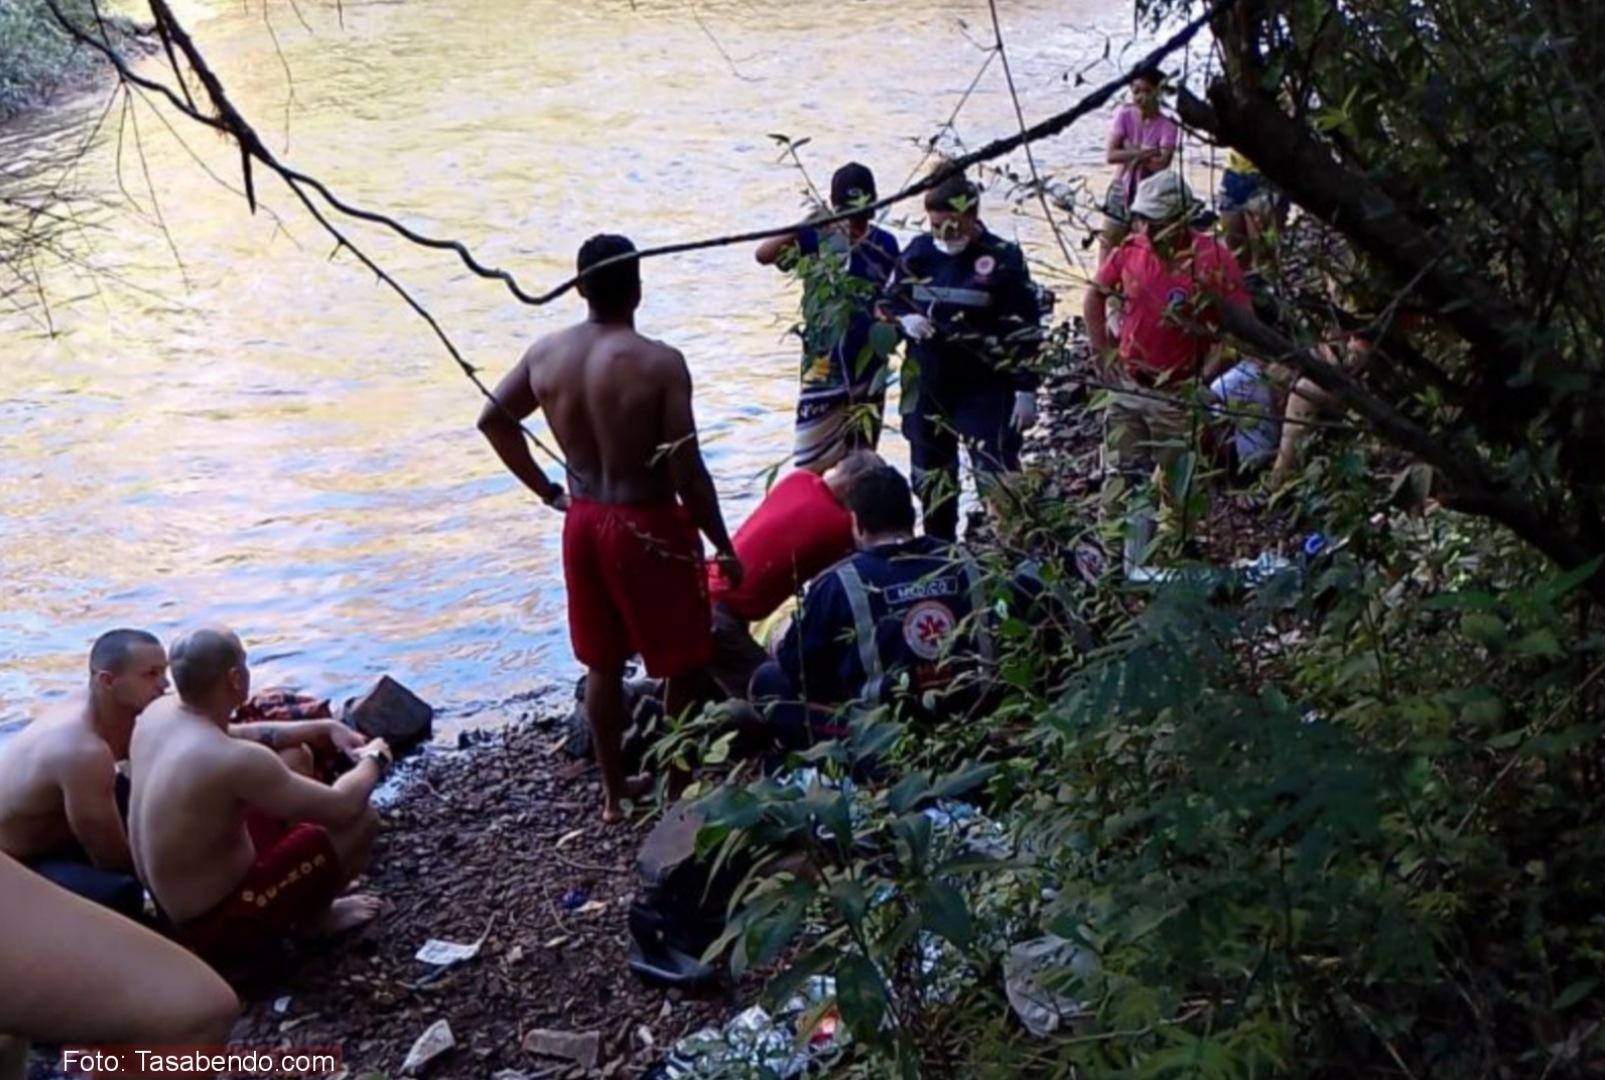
[(951, 294), (972, 575), (864, 629)]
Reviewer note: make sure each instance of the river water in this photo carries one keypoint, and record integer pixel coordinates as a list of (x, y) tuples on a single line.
[(253, 433)]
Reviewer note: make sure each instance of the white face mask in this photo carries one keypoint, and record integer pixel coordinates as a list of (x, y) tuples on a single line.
[(950, 245)]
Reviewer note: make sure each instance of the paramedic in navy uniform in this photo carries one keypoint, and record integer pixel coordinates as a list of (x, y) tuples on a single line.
[(966, 303)]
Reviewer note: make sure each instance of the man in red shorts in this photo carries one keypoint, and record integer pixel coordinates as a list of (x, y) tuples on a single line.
[(237, 848), (620, 407)]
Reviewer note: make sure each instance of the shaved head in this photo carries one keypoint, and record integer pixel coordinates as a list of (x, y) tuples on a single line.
[(113, 649), (201, 660)]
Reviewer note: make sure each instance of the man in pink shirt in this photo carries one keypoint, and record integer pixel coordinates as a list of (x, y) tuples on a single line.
[(1172, 280), (801, 529)]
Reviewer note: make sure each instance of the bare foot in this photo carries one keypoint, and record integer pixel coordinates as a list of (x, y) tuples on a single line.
[(346, 914), (634, 787)]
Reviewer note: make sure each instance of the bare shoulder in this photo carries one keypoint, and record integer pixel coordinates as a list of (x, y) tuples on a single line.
[(239, 762), (67, 743), (663, 360)]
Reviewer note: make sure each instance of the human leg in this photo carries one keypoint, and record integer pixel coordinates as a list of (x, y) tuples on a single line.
[(605, 711), (993, 444), (823, 420), (735, 654), (785, 714), (76, 973), (933, 448), (353, 850)]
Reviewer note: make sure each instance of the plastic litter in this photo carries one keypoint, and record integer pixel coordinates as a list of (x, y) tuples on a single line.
[(446, 953), (1040, 1009)]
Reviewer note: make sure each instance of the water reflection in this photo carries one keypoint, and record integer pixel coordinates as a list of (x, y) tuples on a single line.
[(266, 438)]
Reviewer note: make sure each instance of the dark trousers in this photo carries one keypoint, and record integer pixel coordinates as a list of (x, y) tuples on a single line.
[(71, 869), (935, 430), (735, 654), (788, 719)]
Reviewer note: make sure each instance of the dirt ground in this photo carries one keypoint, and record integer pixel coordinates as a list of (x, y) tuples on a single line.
[(486, 842)]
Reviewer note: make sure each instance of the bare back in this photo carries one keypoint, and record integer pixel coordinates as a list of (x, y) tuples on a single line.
[(610, 396), (186, 821), (34, 770)]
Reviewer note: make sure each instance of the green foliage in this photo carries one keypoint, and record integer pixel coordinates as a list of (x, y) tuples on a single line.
[(1345, 823), (35, 53)]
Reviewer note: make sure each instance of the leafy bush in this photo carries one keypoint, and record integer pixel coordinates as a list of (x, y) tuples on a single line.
[(1345, 822), (35, 53)]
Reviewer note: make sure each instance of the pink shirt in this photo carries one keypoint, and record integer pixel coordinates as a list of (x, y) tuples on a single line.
[(1170, 312), (1132, 130)]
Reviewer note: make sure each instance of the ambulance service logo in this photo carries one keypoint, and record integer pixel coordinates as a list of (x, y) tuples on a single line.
[(926, 628)]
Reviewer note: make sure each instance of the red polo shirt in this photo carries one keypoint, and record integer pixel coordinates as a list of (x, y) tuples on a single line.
[(1170, 311)]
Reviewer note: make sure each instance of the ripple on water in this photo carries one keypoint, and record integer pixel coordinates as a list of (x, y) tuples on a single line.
[(282, 446)]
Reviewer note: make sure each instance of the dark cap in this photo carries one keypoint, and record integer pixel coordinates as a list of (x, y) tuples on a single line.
[(853, 185)]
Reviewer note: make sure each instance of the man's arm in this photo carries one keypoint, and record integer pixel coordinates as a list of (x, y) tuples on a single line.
[(776, 248), (512, 401), (1021, 311), (689, 472), (89, 796), (265, 783), (1095, 310), (282, 734)]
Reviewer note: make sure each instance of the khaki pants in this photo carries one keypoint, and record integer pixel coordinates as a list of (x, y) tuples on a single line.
[(1142, 433)]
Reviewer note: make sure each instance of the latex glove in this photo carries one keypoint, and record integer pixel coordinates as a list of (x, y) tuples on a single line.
[(917, 327), (1024, 415)]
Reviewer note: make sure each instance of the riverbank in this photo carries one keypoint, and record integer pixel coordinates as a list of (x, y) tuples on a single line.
[(492, 844), (39, 61)]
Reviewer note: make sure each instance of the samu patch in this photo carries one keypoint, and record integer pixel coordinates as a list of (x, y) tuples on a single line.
[(927, 627)]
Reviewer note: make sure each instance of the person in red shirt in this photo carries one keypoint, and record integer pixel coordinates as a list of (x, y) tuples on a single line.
[(1171, 280), (800, 529)]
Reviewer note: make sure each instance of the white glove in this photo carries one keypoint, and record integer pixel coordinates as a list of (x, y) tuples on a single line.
[(1024, 415), (917, 327)]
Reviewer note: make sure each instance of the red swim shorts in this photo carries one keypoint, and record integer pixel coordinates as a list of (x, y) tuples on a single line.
[(295, 878), (636, 584)]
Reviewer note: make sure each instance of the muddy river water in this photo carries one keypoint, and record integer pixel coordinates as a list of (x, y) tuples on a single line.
[(234, 427)]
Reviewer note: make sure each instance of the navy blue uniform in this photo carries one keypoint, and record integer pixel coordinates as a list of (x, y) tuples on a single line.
[(868, 622), (988, 317)]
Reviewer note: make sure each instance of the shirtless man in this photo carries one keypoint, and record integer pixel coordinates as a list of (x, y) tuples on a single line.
[(620, 407), (58, 800), (235, 845)]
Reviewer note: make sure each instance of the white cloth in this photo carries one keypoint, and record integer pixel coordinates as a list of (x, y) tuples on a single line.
[(1249, 405)]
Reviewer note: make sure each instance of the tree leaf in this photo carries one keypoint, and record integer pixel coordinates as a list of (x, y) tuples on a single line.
[(907, 792), (962, 780), (849, 898), (861, 993), (943, 912), (1574, 993)]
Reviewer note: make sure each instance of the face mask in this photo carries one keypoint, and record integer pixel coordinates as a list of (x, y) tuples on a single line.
[(950, 245)]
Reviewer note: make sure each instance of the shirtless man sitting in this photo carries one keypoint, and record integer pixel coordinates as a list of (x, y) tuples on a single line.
[(59, 811), (620, 407), (236, 846)]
